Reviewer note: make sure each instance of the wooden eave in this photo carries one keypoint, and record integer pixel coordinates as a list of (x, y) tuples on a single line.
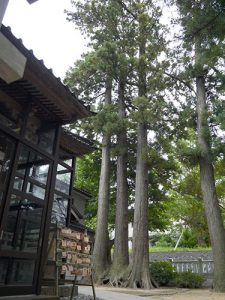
[(39, 82), (83, 193), (75, 144)]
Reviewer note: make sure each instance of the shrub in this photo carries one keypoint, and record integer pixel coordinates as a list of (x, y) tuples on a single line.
[(163, 240), (188, 240), (188, 280), (162, 272)]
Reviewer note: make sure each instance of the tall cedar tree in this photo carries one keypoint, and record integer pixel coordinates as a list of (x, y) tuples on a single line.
[(202, 23), (100, 253), (146, 20), (100, 21), (97, 21), (92, 80)]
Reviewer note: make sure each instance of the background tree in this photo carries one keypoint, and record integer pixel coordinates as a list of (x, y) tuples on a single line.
[(203, 41)]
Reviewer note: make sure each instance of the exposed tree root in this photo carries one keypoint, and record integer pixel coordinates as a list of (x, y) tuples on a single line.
[(123, 279)]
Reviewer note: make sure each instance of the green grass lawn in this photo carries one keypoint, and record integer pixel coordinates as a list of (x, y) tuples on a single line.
[(169, 249)]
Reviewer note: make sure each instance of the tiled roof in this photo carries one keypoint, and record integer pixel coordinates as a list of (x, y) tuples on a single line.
[(41, 83), (76, 144)]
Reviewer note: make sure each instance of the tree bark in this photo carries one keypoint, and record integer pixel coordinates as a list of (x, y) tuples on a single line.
[(140, 274), (211, 204), (121, 255), (100, 253)]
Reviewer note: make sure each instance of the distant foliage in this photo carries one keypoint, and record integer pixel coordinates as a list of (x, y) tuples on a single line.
[(188, 240), (163, 240)]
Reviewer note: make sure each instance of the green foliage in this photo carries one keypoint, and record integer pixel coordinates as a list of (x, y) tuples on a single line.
[(178, 249), (87, 178), (188, 280), (174, 189), (108, 121), (188, 239), (186, 206), (165, 240), (162, 272)]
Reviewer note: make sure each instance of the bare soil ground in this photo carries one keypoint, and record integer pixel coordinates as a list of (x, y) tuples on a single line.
[(173, 294)]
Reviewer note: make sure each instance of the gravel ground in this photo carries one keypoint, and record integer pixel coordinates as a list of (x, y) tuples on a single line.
[(80, 297), (84, 297)]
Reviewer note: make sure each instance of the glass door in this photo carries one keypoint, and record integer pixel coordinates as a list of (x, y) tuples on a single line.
[(23, 222)]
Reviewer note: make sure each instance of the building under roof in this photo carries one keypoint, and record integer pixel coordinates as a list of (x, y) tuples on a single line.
[(37, 163)]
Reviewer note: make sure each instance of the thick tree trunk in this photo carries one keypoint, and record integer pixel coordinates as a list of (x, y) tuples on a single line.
[(121, 255), (100, 253), (140, 276), (212, 209)]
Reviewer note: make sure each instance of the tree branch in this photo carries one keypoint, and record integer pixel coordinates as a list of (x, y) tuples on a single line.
[(127, 9), (192, 35), (181, 80)]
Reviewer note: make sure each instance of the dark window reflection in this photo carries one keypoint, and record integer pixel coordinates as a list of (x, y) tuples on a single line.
[(46, 140), (23, 225), (59, 210), (10, 113), (22, 272), (6, 153), (39, 134), (1, 197), (3, 269), (16, 271)]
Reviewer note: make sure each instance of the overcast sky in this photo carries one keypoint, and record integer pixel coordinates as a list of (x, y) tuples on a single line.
[(43, 28)]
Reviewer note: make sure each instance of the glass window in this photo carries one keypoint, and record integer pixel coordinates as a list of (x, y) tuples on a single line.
[(59, 210), (35, 190), (23, 160), (18, 183), (39, 134), (32, 127), (23, 225), (47, 139), (66, 157), (10, 112), (21, 169), (63, 179), (3, 269), (16, 271), (1, 197), (6, 154), (22, 272), (36, 169)]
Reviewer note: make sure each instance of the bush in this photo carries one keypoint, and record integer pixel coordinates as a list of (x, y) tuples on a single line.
[(162, 272), (188, 240), (188, 280), (163, 240)]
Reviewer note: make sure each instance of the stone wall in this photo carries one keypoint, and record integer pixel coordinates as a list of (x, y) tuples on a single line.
[(189, 255)]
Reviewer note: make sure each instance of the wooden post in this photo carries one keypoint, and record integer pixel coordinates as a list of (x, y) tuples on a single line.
[(93, 288), (200, 265), (57, 262), (73, 287)]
